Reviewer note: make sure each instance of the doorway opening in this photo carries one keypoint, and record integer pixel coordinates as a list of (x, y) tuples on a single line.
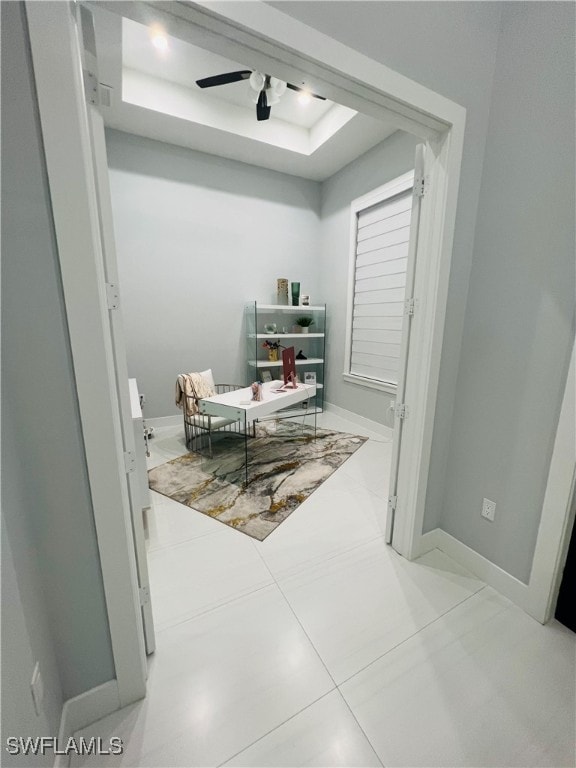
[(416, 110)]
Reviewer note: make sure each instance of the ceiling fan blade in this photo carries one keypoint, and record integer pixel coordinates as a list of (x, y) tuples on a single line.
[(297, 88), (228, 77), (262, 108)]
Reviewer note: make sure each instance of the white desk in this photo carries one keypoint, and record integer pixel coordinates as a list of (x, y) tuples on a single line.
[(238, 405)]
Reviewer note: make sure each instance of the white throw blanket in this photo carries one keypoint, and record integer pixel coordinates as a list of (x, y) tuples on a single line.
[(191, 387)]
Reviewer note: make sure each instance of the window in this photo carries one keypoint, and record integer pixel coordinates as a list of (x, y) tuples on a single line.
[(380, 233)]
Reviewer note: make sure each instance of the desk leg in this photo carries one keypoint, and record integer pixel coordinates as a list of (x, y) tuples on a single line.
[(246, 448)]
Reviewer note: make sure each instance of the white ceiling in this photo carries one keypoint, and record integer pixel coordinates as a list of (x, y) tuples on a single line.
[(183, 64), (154, 94)]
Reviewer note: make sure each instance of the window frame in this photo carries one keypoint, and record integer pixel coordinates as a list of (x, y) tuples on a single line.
[(392, 188)]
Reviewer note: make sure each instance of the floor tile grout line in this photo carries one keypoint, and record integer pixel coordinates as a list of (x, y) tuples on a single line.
[(213, 608), (349, 708), (324, 665), (176, 544), (409, 637), (311, 704), (182, 541), (317, 563), (293, 612)]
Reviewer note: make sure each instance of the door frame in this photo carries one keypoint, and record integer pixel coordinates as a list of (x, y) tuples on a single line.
[(296, 52), (558, 510), (56, 58)]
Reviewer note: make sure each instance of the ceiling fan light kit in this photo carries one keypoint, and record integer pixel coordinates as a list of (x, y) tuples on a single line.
[(257, 81), (266, 90)]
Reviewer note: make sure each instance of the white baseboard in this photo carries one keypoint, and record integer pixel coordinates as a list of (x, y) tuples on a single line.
[(83, 710), (368, 424), (503, 582), (165, 421)]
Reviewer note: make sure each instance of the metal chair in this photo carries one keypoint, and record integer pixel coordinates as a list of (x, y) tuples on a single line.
[(198, 426)]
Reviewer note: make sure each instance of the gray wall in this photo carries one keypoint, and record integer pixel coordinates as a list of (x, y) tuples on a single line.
[(506, 75), (53, 600), (520, 312), (502, 374), (451, 48), (385, 162), (197, 236), (26, 639)]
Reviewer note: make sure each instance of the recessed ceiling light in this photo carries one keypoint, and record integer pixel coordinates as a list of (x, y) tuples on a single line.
[(304, 97), (159, 39)]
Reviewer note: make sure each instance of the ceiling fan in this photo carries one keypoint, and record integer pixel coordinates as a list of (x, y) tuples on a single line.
[(267, 90)]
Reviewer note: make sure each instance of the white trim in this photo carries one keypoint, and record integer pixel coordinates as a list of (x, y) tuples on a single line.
[(558, 509), (392, 188), (367, 424), (395, 187), (435, 243), (484, 569), (64, 121), (361, 381), (393, 536), (83, 710)]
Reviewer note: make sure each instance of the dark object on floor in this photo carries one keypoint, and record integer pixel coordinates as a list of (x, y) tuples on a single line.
[(301, 356), (566, 605)]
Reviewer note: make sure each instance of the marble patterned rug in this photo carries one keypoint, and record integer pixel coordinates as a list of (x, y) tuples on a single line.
[(285, 463)]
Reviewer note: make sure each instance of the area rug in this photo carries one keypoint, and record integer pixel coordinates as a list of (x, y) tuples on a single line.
[(285, 463)]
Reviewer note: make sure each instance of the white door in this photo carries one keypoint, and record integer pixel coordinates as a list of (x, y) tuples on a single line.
[(401, 410), (104, 207)]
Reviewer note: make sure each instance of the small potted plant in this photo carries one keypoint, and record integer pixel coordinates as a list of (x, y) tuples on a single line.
[(303, 324)]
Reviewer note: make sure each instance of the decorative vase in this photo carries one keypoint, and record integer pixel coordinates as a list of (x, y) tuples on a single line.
[(282, 290), (305, 329), (273, 355), (295, 289)]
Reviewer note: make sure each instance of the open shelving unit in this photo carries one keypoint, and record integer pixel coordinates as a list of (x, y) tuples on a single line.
[(259, 321)]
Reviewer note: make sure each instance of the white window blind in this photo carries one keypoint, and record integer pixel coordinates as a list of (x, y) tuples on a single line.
[(383, 232)]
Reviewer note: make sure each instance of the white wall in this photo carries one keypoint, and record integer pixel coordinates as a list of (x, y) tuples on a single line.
[(197, 237), (53, 599), (520, 312), (385, 162)]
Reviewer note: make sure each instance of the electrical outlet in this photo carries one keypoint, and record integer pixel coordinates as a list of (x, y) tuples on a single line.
[(489, 509), (37, 688)]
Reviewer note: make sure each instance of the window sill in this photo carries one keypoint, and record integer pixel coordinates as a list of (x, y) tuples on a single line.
[(370, 383)]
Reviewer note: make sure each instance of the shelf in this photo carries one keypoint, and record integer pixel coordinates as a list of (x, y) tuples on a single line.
[(259, 317), (286, 336), (289, 308), (277, 363)]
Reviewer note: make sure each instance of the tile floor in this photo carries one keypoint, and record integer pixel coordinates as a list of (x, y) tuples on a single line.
[(320, 646)]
